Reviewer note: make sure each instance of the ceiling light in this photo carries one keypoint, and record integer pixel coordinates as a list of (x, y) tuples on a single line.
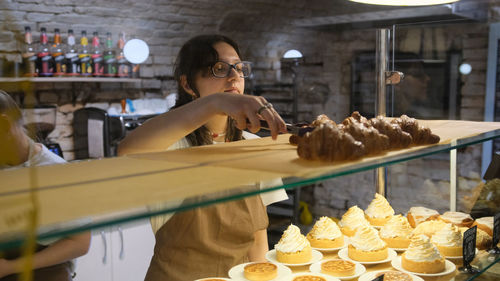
[(405, 2)]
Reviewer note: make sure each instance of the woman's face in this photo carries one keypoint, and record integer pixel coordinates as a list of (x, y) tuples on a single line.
[(208, 84)]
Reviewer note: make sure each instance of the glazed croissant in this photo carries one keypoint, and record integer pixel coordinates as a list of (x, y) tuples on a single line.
[(420, 134), (327, 143), (397, 137), (361, 130)]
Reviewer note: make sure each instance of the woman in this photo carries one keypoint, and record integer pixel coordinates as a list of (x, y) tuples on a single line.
[(53, 259), (211, 107)]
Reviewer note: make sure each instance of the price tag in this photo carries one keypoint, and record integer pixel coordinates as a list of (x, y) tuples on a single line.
[(469, 250), (380, 278), (496, 233)]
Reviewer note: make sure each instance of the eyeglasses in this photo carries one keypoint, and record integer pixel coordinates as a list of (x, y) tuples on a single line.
[(222, 69)]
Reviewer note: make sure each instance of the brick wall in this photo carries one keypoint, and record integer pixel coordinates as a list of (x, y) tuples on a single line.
[(264, 31)]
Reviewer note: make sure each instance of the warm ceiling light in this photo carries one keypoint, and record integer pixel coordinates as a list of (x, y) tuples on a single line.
[(405, 2)]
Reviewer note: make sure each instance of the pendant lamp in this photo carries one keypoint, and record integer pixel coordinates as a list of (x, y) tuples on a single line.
[(405, 2)]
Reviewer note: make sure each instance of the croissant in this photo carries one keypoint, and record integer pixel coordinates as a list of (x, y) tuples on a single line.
[(328, 143), (397, 137), (360, 129), (420, 134)]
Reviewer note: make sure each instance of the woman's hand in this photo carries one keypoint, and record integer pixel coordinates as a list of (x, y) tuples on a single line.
[(6, 268), (247, 110)]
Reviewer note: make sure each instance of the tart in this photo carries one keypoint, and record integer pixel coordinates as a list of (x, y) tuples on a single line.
[(457, 218), (293, 247), (449, 241), (338, 268), (379, 211), (325, 234), (395, 276), (351, 220), (422, 256), (483, 240), (417, 215), (261, 271), (396, 232), (429, 228), (309, 278), (366, 246)]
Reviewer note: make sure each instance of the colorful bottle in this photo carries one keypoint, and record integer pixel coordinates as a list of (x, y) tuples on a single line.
[(29, 54), (45, 63), (72, 61), (57, 54), (84, 56), (97, 59), (123, 68), (109, 57)]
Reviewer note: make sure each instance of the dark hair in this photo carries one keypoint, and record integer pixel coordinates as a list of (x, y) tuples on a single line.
[(8, 106), (197, 56)]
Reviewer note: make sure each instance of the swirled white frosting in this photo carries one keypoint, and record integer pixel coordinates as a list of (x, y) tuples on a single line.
[(397, 226), (292, 241), (325, 228), (354, 218), (449, 236), (421, 249), (367, 239), (379, 208)]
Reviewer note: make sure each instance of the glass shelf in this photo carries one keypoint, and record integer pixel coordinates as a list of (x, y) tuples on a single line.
[(93, 194)]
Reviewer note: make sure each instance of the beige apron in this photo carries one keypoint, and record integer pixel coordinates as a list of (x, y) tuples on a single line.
[(208, 241)]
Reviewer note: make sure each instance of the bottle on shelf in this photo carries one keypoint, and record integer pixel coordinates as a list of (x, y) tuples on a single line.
[(97, 59), (109, 57), (84, 56), (72, 61), (123, 68), (29, 54), (45, 63), (57, 54)]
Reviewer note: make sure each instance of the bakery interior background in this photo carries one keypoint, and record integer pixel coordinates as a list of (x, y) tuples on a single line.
[(337, 40)]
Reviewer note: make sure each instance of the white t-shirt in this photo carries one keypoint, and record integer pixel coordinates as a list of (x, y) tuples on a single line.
[(267, 198)]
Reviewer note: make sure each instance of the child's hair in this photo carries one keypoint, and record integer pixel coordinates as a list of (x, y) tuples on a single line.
[(9, 107)]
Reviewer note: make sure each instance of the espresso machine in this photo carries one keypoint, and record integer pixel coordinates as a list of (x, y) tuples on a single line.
[(39, 122)]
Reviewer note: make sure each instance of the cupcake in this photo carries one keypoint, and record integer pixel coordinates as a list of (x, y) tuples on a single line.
[(429, 227), (351, 220), (379, 211), (449, 241), (366, 245), (293, 247), (422, 256), (457, 218), (417, 215), (396, 232), (325, 234)]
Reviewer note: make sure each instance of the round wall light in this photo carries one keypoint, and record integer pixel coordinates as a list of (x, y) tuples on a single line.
[(465, 68), (292, 54)]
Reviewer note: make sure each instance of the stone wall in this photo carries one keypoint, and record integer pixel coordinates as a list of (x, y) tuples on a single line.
[(264, 31)]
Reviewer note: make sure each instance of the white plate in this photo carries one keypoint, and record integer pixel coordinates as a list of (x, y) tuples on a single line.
[(327, 277), (346, 243), (236, 272), (391, 254), (211, 278), (316, 256), (369, 276), (358, 270), (449, 268)]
